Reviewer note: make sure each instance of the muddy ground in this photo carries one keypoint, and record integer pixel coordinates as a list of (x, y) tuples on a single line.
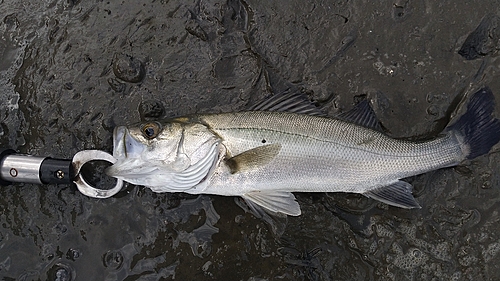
[(70, 71)]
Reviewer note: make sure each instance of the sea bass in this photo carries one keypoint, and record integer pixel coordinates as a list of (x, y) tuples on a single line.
[(284, 145)]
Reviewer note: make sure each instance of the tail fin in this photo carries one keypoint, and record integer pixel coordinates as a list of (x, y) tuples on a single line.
[(479, 128)]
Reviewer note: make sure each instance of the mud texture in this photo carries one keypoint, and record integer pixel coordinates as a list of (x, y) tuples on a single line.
[(70, 71)]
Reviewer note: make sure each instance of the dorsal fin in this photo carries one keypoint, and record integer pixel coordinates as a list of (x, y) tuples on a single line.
[(289, 102), (363, 115)]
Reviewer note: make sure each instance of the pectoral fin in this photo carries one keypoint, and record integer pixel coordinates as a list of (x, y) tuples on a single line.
[(397, 194), (274, 201), (253, 158)]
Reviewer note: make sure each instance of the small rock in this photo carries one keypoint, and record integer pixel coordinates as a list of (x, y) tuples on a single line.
[(195, 29), (151, 109), (483, 40), (116, 85), (128, 69), (113, 259), (61, 272)]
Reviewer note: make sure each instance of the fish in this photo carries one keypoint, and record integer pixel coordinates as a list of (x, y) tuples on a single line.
[(286, 144)]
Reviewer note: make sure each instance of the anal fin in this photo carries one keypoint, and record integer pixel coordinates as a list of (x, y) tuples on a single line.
[(397, 194), (274, 201)]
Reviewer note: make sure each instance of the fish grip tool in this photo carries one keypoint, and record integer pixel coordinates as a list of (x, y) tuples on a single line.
[(17, 168)]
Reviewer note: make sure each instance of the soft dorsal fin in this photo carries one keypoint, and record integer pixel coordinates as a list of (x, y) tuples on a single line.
[(363, 115), (289, 102), (253, 158)]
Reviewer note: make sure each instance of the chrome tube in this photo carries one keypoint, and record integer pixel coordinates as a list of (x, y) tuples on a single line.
[(21, 168)]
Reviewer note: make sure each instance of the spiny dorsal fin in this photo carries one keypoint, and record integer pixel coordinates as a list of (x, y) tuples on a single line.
[(397, 194), (289, 102), (253, 158), (363, 115)]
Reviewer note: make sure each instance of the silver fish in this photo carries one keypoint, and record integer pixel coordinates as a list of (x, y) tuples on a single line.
[(283, 146)]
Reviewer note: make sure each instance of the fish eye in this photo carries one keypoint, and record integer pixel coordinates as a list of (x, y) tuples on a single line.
[(151, 130)]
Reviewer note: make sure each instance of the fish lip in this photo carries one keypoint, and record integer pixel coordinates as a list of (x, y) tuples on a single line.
[(119, 150), (128, 153), (119, 145)]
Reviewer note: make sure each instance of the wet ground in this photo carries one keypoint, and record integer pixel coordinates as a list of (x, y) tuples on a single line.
[(70, 71)]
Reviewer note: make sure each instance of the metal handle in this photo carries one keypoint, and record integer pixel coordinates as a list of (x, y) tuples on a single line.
[(3, 153), (33, 169)]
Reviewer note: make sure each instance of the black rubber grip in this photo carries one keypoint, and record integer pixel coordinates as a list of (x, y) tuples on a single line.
[(56, 171), (4, 152)]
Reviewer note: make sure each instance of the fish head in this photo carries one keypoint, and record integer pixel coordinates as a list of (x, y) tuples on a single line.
[(167, 157)]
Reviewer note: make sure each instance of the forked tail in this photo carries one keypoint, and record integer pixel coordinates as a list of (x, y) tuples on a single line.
[(479, 129)]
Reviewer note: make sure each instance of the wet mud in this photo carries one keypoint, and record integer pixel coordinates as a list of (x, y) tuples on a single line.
[(70, 71)]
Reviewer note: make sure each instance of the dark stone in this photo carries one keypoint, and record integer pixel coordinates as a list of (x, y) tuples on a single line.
[(483, 40), (195, 29), (128, 68), (116, 85), (151, 109)]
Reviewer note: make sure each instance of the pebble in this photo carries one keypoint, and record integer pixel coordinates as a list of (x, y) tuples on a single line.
[(128, 68)]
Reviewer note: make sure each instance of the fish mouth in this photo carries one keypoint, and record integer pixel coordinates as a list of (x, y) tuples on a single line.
[(129, 170), (127, 151), (125, 145), (119, 147)]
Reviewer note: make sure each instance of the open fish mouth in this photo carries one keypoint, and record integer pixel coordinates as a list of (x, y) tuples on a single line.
[(127, 151), (123, 143)]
